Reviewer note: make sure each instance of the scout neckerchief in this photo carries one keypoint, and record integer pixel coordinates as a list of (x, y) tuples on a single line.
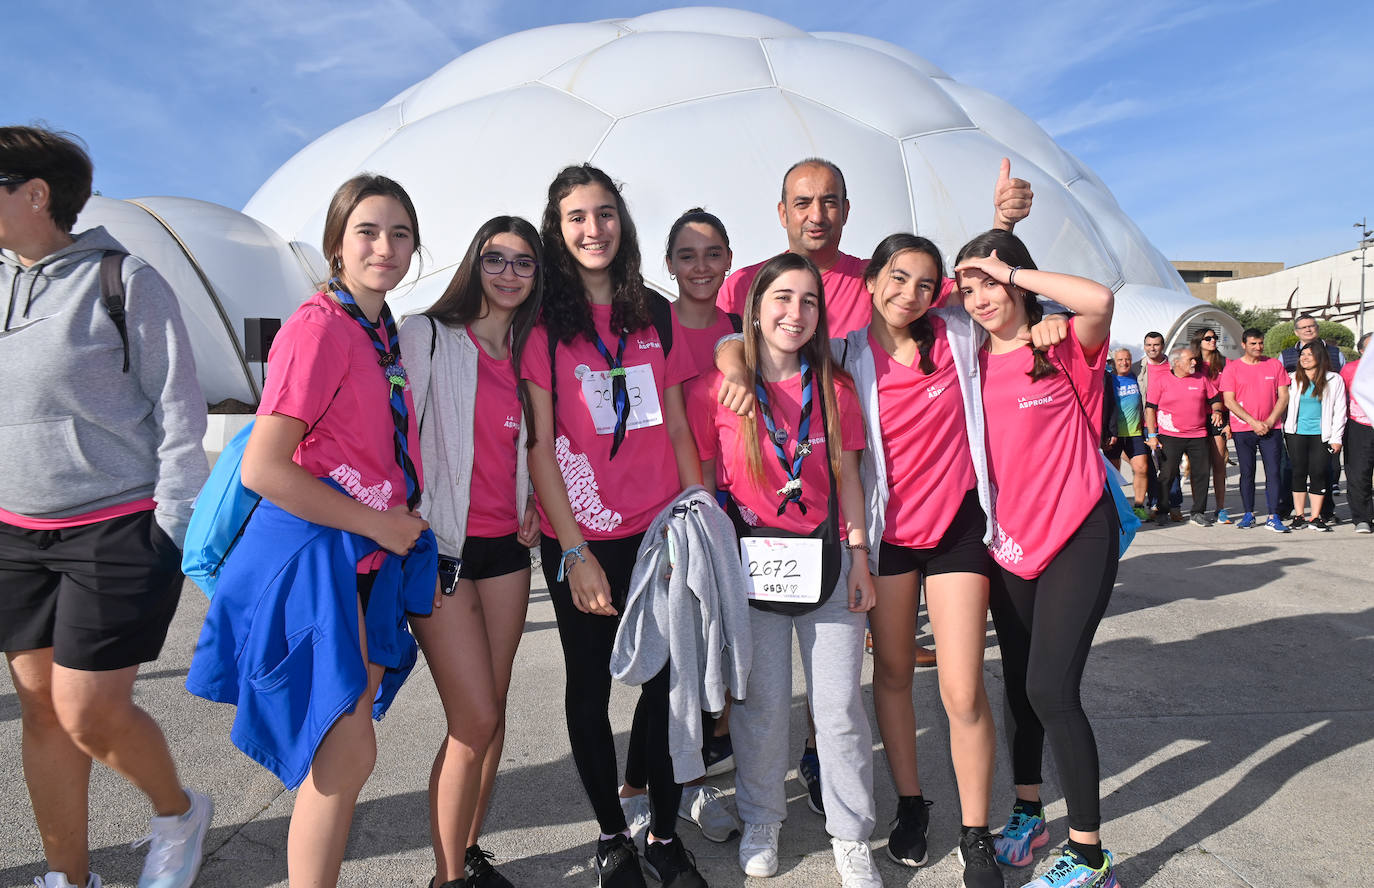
[(619, 393), (791, 492), (390, 362)]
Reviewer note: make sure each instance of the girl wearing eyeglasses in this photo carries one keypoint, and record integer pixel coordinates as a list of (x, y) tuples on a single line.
[(611, 450), (464, 357), (1210, 363)]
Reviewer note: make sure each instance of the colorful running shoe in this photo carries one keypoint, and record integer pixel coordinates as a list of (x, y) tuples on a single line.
[(1275, 523), (1142, 513), (1246, 521), (1223, 516), (1072, 871), (1020, 837)]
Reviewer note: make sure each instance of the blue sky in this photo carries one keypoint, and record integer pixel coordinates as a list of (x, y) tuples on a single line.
[(1227, 130)]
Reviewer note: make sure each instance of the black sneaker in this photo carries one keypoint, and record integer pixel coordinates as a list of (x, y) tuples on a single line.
[(809, 770), (718, 755), (1320, 525), (979, 857), (479, 872), (907, 843), (1299, 523), (617, 863), (673, 865)]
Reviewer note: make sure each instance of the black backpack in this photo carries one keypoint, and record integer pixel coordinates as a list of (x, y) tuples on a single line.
[(112, 295)]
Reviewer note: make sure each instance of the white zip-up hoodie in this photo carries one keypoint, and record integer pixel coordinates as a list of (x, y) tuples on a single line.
[(1333, 408)]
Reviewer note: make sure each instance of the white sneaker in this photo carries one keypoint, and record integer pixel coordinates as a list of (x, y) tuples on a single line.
[(855, 863), (176, 845), (59, 880), (637, 816), (707, 808), (758, 848)]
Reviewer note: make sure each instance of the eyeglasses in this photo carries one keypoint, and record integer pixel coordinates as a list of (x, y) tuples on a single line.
[(12, 179), (495, 264), (1209, 339)]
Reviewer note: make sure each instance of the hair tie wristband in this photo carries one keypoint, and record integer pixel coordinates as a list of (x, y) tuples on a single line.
[(1011, 278), (569, 553)]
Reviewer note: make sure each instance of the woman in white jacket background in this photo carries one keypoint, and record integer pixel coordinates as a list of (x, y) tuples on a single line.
[(463, 357), (1313, 429)]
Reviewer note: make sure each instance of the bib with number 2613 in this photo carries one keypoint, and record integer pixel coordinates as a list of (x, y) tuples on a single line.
[(783, 568), (645, 409)]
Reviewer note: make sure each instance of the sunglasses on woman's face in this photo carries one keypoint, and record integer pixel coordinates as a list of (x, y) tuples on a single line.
[(1209, 339)]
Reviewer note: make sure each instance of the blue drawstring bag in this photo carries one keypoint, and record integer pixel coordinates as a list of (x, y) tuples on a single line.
[(1125, 513), (219, 516)]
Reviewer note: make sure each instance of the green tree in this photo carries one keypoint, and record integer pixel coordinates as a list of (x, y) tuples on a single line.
[(1282, 335), (1259, 318)]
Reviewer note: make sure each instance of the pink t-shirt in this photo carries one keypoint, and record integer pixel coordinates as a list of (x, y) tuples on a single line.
[(611, 499), (323, 371), (848, 305), (1181, 405), (701, 344), (495, 437), (718, 437), (1356, 412), (1256, 387), (929, 467), (1042, 451)]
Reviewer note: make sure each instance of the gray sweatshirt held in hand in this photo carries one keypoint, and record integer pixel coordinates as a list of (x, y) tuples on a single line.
[(77, 434)]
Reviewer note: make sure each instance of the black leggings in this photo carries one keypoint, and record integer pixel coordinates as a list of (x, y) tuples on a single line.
[(1045, 629), (1311, 463), (587, 640)]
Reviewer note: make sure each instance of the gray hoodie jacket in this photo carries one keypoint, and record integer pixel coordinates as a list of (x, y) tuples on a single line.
[(76, 433)]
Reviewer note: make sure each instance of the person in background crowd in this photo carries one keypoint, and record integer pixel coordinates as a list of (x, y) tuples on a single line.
[(1128, 429), (463, 354), (1155, 361), (1313, 430), (1056, 545), (1255, 390), (100, 460), (1359, 450), (1182, 408), (1305, 326), (1211, 363)]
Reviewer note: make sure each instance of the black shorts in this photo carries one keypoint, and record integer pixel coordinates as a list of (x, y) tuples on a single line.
[(487, 557), (960, 550), (100, 595), (1130, 445)]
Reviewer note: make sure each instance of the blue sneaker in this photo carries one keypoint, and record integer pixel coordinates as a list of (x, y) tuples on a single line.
[(176, 845), (1223, 516), (1246, 521), (1276, 525), (1072, 871), (809, 769), (1020, 837)]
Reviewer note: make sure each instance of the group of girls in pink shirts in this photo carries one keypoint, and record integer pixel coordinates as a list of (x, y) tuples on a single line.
[(555, 400)]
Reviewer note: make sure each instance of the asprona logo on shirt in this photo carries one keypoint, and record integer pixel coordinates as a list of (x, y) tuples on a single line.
[(511, 423), (376, 496), (936, 391), (649, 343), (584, 494), (1023, 402), (1007, 550)]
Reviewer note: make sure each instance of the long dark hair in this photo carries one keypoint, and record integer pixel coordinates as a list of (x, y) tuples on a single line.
[(567, 311), (1318, 349), (1211, 367), (462, 300), (1012, 251), (883, 254), (816, 350)]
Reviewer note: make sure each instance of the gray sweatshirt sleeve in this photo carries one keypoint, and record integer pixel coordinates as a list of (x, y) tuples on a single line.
[(160, 356)]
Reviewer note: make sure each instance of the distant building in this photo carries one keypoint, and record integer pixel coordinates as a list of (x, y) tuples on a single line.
[(1202, 277), (1328, 289)]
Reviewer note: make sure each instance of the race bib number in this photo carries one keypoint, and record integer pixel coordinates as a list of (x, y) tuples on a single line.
[(645, 409), (782, 568)]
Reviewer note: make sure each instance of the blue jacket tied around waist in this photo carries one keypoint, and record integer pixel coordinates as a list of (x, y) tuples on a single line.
[(280, 639)]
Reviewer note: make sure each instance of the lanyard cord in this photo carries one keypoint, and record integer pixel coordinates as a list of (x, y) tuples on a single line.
[(619, 393), (791, 492), (390, 362)]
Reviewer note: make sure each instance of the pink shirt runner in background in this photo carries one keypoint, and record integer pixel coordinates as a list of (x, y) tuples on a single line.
[(718, 436), (495, 437), (1042, 451), (1256, 387), (929, 467), (1181, 404), (847, 303), (1356, 412), (611, 499)]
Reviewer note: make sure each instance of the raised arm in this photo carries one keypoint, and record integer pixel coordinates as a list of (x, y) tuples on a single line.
[(1011, 198), (1090, 301)]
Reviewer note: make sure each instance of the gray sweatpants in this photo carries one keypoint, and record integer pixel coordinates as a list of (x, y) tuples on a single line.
[(832, 650)]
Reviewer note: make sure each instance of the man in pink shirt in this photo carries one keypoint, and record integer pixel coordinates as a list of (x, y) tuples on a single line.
[(1155, 361), (813, 211), (1255, 390), (1182, 409), (1359, 450)]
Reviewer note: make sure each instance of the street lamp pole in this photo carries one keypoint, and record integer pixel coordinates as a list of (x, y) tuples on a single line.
[(1363, 226)]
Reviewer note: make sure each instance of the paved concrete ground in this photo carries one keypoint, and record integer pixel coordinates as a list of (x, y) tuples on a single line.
[(1231, 689)]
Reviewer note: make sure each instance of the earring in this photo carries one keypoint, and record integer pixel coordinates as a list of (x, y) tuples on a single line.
[(671, 276)]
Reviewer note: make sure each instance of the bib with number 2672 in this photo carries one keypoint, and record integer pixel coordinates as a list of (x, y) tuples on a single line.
[(784, 569)]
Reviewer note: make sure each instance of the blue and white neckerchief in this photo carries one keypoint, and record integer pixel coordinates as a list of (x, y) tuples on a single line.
[(620, 395), (389, 359), (791, 492)]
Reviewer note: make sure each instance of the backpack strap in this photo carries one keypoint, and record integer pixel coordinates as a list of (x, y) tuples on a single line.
[(736, 322), (112, 294), (661, 313)]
